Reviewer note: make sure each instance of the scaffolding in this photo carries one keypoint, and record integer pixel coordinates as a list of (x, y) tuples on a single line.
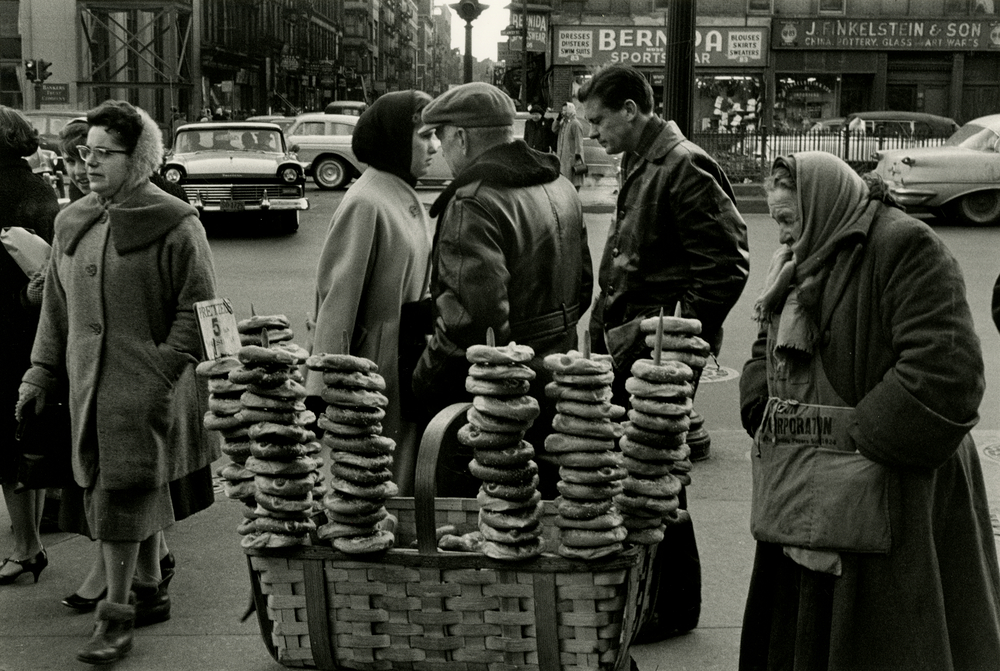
[(137, 51)]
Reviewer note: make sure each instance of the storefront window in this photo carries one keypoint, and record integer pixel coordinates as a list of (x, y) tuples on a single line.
[(800, 102), (728, 104)]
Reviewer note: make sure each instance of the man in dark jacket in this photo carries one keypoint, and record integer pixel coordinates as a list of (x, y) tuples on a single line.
[(677, 240), (510, 252)]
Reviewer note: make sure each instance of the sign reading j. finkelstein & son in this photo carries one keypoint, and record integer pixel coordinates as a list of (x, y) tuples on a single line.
[(714, 46), (886, 34)]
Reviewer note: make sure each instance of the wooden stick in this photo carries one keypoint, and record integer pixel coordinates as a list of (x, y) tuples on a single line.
[(264, 340), (253, 313), (658, 344), (345, 342), (586, 344), (677, 310), (491, 339)]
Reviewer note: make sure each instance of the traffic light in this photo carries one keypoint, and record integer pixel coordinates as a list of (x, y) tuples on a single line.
[(30, 71), (43, 70), (468, 10)]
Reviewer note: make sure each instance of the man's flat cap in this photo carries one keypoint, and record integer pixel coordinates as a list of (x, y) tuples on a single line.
[(471, 105)]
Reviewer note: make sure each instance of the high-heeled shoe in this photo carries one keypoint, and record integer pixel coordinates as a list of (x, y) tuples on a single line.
[(83, 604), (33, 566)]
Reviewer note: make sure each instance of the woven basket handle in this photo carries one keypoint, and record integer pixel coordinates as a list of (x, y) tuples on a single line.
[(442, 428)]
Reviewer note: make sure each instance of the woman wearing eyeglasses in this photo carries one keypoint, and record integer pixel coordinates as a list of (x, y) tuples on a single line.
[(128, 263)]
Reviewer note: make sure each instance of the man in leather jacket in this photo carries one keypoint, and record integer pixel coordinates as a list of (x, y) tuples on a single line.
[(510, 252), (677, 239)]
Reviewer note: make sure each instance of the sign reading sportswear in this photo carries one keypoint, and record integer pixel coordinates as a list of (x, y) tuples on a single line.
[(714, 46)]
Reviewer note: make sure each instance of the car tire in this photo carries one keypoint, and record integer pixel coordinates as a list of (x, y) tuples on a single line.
[(330, 173), (981, 208)]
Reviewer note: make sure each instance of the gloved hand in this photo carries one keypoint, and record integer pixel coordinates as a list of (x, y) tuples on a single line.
[(26, 394)]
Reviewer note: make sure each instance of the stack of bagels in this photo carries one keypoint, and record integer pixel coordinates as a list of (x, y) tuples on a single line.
[(510, 505), (681, 342), (223, 406), (654, 442), (360, 457), (583, 443), (269, 331), (283, 453)]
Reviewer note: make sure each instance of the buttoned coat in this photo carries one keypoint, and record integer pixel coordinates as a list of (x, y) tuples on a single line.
[(118, 324), (677, 237), (897, 343)]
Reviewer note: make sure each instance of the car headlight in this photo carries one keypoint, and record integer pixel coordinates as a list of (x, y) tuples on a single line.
[(290, 175), (173, 175)]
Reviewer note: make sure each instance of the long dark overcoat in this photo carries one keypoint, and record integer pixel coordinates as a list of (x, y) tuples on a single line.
[(897, 342)]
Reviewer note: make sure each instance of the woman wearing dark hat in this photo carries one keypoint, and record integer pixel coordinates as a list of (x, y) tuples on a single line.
[(538, 132), (874, 543), (377, 259), (127, 265), (28, 203)]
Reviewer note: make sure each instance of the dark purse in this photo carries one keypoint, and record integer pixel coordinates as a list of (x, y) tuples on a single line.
[(45, 441), (580, 166)]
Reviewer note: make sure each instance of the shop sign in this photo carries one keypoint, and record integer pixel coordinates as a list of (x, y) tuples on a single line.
[(538, 31), (886, 34), (53, 94), (714, 46)]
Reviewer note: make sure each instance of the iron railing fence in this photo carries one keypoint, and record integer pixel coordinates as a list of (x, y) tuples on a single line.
[(747, 155)]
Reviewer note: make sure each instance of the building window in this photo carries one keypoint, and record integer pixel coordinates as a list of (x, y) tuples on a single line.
[(831, 6), (759, 7)]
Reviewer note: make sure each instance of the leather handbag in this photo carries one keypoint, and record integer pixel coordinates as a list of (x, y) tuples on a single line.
[(45, 442), (580, 166)]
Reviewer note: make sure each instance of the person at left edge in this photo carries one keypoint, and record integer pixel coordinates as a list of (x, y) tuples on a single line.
[(510, 253), (127, 266), (376, 260)]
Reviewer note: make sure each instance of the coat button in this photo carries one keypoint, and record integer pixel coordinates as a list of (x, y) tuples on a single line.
[(96, 328), (92, 269), (615, 252), (611, 289)]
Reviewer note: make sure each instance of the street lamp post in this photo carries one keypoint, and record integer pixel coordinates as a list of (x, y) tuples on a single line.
[(469, 10)]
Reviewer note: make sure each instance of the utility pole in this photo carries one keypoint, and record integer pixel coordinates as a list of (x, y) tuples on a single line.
[(524, 55), (678, 68)]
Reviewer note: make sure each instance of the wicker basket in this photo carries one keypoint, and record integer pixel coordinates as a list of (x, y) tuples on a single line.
[(421, 608)]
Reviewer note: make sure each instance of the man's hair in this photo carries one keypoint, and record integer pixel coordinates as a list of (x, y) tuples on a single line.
[(614, 84), (484, 137)]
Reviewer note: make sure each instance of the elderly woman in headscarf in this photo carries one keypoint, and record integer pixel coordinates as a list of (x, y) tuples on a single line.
[(569, 144), (375, 266), (874, 543), (118, 323)]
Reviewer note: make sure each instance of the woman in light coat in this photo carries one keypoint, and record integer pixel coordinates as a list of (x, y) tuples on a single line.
[(118, 324), (377, 259), (569, 144)]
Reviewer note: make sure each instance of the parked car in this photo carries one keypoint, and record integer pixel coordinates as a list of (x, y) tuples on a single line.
[(281, 121), (324, 146), (960, 177), (601, 163), (857, 137), (48, 123), (237, 167), (349, 107)]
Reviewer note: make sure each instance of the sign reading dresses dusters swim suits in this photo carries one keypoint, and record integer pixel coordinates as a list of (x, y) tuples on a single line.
[(715, 46)]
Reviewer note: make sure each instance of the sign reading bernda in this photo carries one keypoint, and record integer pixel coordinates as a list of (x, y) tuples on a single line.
[(715, 46)]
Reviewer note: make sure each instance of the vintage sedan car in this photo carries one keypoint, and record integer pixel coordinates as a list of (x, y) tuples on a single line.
[(238, 167), (324, 146), (283, 121), (960, 178)]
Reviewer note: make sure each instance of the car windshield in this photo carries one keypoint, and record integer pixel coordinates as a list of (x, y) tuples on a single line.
[(972, 136), (235, 139)]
